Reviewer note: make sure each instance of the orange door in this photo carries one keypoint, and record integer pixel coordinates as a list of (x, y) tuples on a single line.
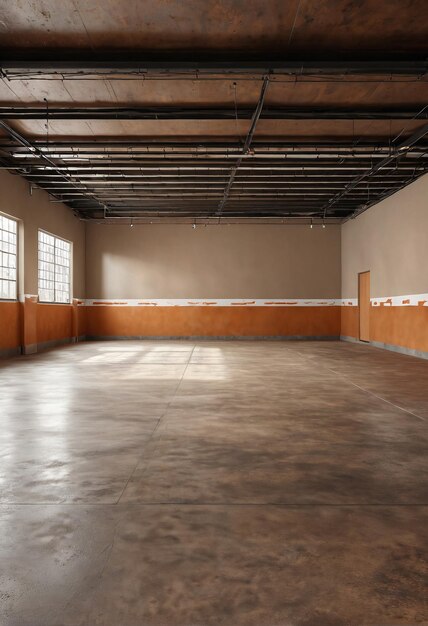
[(364, 305)]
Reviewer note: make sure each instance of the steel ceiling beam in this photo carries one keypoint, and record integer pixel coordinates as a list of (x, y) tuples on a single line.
[(163, 112), (183, 166), (179, 178), (400, 149), (165, 143), (36, 64), (25, 142), (247, 144)]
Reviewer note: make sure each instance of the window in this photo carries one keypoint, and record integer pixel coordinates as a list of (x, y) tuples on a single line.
[(8, 256), (54, 268)]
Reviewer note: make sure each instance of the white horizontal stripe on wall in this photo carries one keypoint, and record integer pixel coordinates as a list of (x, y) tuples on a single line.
[(408, 300), (418, 299), (214, 303)]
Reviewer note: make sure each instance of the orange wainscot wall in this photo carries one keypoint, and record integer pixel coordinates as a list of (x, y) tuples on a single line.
[(30, 326), (79, 320), (349, 321), (10, 325), (54, 322), (199, 321), (404, 326)]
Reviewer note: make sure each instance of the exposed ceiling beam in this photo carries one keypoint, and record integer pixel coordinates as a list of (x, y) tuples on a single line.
[(37, 63), (275, 178), (145, 143), (247, 144), (13, 134), (399, 149), (210, 113)]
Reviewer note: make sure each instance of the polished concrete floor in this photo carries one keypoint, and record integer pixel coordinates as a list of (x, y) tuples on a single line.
[(193, 484)]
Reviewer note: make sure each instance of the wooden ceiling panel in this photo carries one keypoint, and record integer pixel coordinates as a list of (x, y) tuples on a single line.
[(27, 24), (346, 93), (272, 25), (151, 24), (362, 25), (289, 129)]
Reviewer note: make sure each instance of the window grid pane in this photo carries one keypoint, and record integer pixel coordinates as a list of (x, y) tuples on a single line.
[(8, 258), (54, 268)]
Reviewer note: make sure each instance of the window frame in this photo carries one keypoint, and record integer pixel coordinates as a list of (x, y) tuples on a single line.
[(16, 220), (70, 283)]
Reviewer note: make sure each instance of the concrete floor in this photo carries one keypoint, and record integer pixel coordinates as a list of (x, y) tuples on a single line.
[(174, 483)]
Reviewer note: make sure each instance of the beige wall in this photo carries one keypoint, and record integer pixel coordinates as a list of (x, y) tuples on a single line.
[(391, 240), (235, 261), (36, 211)]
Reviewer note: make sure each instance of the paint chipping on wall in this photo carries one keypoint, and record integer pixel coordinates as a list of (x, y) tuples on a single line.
[(104, 303)]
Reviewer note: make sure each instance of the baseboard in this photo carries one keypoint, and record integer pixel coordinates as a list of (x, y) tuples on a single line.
[(353, 340), (78, 339), (34, 348), (387, 346), (54, 343), (47, 345), (8, 353), (215, 338), (30, 348)]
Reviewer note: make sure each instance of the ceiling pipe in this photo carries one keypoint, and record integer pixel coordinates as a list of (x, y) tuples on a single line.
[(399, 149), (247, 144)]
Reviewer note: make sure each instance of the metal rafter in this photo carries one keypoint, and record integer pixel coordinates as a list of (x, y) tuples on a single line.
[(172, 112), (161, 177), (184, 179), (35, 150), (73, 64), (399, 149), (247, 144)]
